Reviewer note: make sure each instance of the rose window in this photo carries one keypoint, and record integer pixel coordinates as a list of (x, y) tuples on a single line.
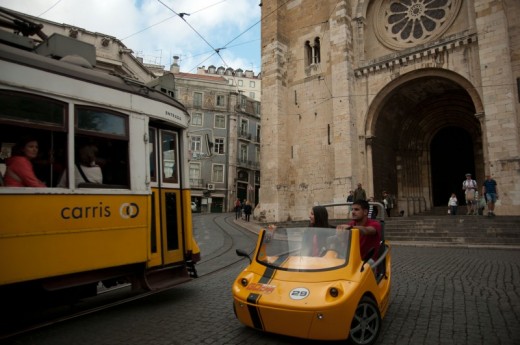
[(404, 23)]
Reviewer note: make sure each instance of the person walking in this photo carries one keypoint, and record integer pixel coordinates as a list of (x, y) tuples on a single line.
[(453, 204), (350, 197), (469, 186), (359, 193), (490, 192), (247, 210), (388, 202), (238, 209)]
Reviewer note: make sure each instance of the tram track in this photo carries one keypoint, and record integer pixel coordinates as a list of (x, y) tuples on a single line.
[(221, 259), (227, 253)]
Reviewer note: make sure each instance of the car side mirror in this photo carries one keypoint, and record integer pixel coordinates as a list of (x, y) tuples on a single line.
[(243, 253)]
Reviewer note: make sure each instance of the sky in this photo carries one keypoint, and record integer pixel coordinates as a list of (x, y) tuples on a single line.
[(153, 30)]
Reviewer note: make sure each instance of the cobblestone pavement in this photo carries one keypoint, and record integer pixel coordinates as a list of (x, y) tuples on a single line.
[(439, 296)]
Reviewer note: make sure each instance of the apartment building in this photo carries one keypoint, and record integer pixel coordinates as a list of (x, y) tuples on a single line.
[(224, 137)]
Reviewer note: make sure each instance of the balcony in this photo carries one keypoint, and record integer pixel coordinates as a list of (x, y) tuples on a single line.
[(197, 183), (244, 163), (244, 135)]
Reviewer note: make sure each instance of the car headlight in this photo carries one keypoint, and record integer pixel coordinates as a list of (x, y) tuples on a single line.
[(333, 292), (244, 282)]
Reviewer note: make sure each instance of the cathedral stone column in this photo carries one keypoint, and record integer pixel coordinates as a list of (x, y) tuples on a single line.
[(369, 140), (500, 123)]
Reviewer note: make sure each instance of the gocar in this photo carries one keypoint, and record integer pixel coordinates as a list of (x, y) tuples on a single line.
[(327, 294)]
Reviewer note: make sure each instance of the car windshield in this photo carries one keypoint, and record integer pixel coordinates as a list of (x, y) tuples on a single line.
[(304, 249)]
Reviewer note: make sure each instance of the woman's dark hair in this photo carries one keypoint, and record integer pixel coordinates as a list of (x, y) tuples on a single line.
[(18, 149), (321, 217)]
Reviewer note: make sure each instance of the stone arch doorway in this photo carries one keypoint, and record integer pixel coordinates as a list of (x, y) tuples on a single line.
[(412, 123)]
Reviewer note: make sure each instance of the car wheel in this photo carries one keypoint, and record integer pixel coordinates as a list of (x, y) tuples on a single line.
[(366, 323)]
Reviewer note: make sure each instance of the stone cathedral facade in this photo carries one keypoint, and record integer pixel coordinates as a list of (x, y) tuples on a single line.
[(404, 96)]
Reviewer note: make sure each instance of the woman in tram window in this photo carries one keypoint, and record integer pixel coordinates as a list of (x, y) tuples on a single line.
[(20, 171)]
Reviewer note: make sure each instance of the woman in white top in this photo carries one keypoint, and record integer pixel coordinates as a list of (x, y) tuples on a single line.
[(86, 171), (452, 204)]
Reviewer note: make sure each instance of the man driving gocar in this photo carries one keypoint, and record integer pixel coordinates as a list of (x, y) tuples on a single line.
[(369, 229)]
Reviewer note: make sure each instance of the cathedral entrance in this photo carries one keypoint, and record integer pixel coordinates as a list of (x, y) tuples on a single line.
[(426, 136), (452, 156)]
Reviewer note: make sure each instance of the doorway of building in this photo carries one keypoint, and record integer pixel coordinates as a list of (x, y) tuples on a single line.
[(452, 157)]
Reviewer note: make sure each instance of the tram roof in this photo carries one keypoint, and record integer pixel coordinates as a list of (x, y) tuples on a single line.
[(33, 60)]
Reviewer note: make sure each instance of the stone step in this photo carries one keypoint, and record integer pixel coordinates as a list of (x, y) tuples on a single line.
[(447, 230), (478, 230)]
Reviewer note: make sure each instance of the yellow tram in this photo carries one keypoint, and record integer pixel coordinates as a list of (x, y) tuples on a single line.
[(133, 226)]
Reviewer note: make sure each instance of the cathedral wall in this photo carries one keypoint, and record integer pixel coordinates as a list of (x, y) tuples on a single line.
[(319, 121)]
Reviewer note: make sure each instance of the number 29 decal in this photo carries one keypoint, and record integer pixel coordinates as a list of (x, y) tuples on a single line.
[(299, 293)]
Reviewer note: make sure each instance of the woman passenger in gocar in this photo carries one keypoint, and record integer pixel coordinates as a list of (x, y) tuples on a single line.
[(20, 172), (314, 242)]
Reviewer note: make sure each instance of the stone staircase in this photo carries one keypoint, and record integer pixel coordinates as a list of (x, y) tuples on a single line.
[(436, 229)]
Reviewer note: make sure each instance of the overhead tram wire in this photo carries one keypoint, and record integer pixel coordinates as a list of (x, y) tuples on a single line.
[(175, 15), (234, 39), (181, 15), (215, 50), (50, 8)]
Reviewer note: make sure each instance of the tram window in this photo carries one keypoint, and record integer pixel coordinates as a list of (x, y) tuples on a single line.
[(51, 160), (169, 157), (31, 109), (44, 119), (108, 131), (102, 122)]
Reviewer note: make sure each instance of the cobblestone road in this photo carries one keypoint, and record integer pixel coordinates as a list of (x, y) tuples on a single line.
[(439, 296)]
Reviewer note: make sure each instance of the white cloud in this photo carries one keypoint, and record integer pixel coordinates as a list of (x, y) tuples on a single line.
[(154, 32)]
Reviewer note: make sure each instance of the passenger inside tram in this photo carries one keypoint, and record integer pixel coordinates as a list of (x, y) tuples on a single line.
[(20, 170), (86, 170), (43, 162)]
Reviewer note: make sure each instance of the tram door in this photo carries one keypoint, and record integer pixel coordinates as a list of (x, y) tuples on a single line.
[(166, 223)]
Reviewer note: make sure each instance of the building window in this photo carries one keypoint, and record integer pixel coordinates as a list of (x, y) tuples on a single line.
[(312, 52), (219, 146), (230, 81), (316, 56), (244, 126), (252, 95), (258, 132), (218, 173), (194, 171), (196, 143), (242, 154), (243, 102), (257, 154), (221, 101), (257, 108), (251, 84), (220, 121), (196, 120), (195, 180), (197, 99), (240, 83)]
